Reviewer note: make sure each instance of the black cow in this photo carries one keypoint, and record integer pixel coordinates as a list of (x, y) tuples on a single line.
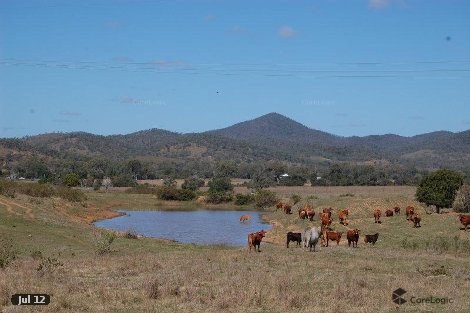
[(371, 238), (293, 237)]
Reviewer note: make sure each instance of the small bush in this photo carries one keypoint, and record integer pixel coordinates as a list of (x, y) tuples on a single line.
[(462, 200), (218, 197), (193, 183), (295, 198), (7, 188), (123, 181), (72, 195), (104, 243), (265, 198), (7, 252), (174, 194), (97, 184), (36, 190), (347, 195), (130, 234), (48, 266), (244, 199), (142, 189)]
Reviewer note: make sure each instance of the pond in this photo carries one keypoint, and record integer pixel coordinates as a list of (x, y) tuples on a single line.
[(200, 227)]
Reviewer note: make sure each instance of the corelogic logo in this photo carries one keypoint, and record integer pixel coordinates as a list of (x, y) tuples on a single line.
[(397, 296)]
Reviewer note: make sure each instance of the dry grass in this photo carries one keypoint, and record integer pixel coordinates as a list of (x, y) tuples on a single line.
[(148, 275)]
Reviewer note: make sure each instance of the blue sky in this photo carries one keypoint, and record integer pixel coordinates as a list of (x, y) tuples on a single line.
[(345, 67)]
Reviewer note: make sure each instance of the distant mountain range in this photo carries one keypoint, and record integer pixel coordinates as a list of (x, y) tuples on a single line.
[(269, 137)]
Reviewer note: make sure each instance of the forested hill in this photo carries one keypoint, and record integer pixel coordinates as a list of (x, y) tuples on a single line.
[(272, 137)]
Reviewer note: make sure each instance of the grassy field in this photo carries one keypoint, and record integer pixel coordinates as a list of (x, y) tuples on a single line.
[(58, 251)]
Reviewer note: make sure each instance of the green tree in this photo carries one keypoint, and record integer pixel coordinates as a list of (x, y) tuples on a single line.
[(71, 180), (439, 188), (462, 200), (220, 184), (192, 183)]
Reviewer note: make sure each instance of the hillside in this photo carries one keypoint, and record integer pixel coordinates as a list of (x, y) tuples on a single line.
[(266, 138)]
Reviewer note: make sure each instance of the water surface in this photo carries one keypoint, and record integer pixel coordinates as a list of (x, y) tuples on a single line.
[(201, 227)]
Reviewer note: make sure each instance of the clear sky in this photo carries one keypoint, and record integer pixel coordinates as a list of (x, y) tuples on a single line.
[(344, 67)]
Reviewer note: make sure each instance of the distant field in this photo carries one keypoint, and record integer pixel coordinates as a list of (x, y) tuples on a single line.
[(151, 275)]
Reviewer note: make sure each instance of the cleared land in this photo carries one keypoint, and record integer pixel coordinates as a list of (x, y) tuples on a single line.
[(151, 275)]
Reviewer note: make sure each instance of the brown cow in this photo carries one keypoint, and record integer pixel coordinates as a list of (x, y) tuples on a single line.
[(342, 216), (409, 211), (302, 214), (416, 219), (309, 211), (254, 239), (465, 220), (377, 214), (245, 218), (328, 210), (397, 210), (279, 205), (287, 208), (371, 238), (325, 219), (389, 213), (335, 236), (353, 236)]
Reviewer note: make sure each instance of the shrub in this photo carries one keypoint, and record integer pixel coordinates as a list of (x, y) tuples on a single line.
[(174, 194), (72, 195), (36, 190), (71, 180), (97, 184), (265, 198), (7, 252), (193, 183), (220, 184), (104, 242), (218, 197), (244, 199), (296, 198), (7, 188), (462, 200), (124, 180), (142, 189), (294, 180), (130, 234)]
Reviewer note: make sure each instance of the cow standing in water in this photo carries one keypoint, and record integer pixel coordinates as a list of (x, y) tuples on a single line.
[(245, 218)]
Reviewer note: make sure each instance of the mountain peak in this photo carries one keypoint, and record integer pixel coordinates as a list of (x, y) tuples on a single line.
[(274, 126)]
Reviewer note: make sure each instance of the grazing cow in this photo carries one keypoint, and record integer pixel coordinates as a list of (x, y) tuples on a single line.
[(309, 211), (389, 213), (326, 219), (245, 218), (334, 236), (324, 229), (279, 205), (287, 208), (254, 239), (328, 210), (397, 210), (371, 238), (465, 220), (416, 219), (353, 236), (342, 216), (377, 214), (409, 211), (297, 237), (313, 238), (302, 214)]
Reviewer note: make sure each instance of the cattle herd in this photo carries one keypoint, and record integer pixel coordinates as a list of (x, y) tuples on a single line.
[(311, 235)]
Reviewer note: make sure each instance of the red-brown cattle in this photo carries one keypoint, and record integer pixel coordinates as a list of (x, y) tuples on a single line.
[(389, 213), (334, 236), (328, 210), (302, 214), (353, 236), (254, 239), (342, 215), (309, 211), (279, 205), (287, 208), (377, 214), (396, 210), (245, 218), (325, 219), (371, 238), (465, 220), (416, 219), (409, 211)]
